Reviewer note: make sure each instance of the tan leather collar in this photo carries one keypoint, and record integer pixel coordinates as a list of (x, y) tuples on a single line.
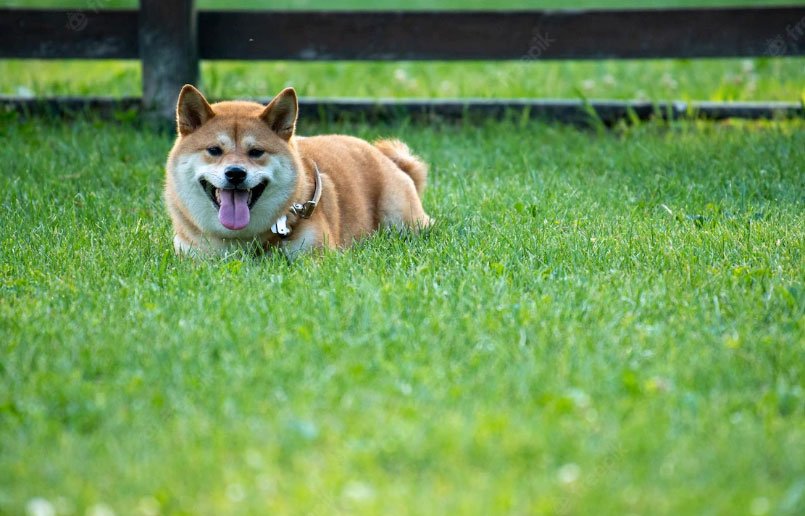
[(304, 211)]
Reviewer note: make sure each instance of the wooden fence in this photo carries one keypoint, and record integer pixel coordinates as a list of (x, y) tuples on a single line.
[(170, 36)]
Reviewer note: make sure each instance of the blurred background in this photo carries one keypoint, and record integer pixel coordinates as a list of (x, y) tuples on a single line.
[(666, 79)]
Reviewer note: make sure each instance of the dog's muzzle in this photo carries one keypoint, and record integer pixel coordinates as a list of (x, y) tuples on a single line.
[(234, 205)]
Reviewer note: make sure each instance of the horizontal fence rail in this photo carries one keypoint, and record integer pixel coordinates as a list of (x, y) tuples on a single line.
[(170, 36), (61, 34), (608, 112), (452, 35), (421, 35)]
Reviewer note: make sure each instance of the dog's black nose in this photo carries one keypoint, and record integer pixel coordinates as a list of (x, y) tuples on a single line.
[(235, 174)]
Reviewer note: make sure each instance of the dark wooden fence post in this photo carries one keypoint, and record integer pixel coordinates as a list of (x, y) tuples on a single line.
[(169, 52)]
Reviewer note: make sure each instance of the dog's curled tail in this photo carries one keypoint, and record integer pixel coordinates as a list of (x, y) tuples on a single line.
[(401, 155)]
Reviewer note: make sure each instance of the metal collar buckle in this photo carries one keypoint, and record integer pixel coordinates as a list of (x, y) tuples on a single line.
[(303, 210)]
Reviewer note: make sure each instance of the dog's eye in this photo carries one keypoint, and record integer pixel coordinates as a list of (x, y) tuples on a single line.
[(214, 151), (256, 153)]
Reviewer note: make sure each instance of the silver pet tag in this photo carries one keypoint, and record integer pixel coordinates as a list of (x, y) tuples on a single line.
[(279, 227)]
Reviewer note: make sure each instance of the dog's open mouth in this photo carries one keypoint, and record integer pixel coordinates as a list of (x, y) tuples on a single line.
[(233, 205)]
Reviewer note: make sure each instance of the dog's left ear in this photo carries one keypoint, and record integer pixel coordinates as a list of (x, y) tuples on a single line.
[(281, 113), (192, 110)]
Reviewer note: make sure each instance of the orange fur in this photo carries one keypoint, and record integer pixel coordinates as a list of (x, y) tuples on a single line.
[(401, 155)]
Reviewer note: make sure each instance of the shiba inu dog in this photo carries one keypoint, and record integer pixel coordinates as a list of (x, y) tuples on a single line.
[(238, 173)]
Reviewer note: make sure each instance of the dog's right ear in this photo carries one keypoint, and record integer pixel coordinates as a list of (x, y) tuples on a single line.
[(192, 110), (280, 114)]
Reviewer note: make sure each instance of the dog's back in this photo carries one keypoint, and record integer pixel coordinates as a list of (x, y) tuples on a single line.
[(376, 185)]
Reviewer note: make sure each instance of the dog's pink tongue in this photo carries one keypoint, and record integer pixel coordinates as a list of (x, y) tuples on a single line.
[(234, 211)]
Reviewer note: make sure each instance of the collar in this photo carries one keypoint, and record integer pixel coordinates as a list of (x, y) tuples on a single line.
[(304, 211)]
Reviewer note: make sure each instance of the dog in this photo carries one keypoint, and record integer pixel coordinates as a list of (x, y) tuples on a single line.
[(238, 174)]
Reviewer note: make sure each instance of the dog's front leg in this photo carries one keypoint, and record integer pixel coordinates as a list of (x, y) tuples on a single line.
[(307, 238), (184, 248)]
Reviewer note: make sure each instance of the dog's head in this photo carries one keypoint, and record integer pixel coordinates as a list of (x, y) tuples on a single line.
[(233, 166)]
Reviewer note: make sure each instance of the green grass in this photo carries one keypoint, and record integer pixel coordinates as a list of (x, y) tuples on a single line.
[(599, 323), (709, 79)]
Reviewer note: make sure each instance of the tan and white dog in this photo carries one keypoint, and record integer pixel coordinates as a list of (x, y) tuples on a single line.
[(237, 173)]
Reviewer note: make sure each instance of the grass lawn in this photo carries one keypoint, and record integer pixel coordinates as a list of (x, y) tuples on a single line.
[(599, 324)]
